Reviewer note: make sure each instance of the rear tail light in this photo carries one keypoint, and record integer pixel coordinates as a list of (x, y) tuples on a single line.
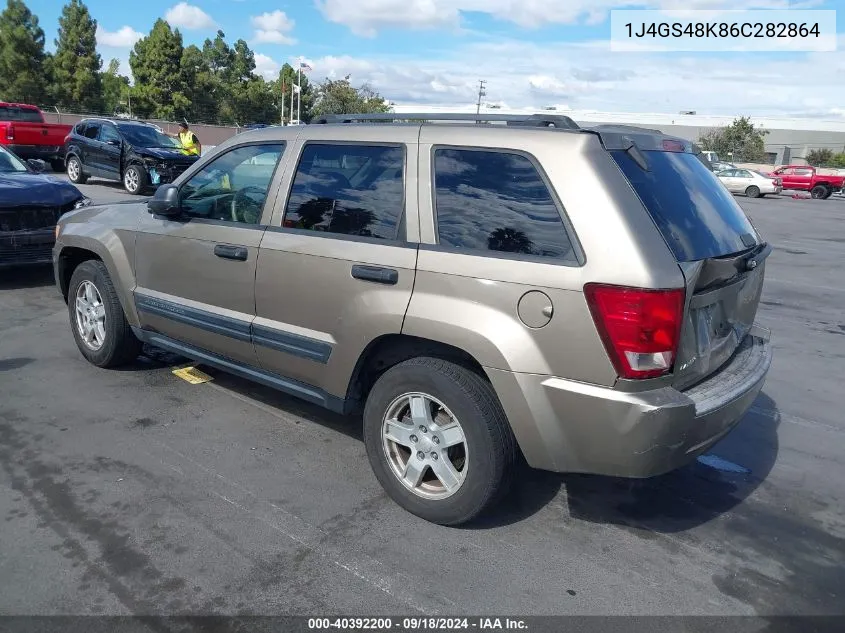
[(10, 132), (674, 146), (640, 327)]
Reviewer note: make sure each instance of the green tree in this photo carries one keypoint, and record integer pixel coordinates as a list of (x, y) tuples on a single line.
[(739, 141), (22, 57), (76, 63), (340, 97), (115, 89), (156, 62), (202, 87), (819, 157)]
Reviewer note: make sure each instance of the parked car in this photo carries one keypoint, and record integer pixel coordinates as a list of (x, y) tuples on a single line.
[(137, 154), (807, 178), (585, 297), (24, 131), (722, 166), (30, 205), (752, 183)]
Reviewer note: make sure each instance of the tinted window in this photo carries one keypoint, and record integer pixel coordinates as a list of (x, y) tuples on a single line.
[(80, 128), (9, 113), (697, 217), (109, 133), (92, 130), (348, 189), (232, 187), (496, 201), (146, 136)]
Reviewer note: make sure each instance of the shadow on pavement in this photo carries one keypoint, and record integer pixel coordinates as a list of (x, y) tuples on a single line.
[(690, 496), (675, 502), (20, 277)]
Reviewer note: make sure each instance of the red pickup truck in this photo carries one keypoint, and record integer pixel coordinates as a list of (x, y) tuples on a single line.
[(24, 132), (807, 178)]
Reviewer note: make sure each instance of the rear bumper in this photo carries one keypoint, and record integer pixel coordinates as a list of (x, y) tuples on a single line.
[(44, 152), (26, 247), (566, 426)]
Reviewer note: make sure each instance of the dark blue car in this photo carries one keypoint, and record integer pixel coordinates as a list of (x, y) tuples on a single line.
[(30, 205)]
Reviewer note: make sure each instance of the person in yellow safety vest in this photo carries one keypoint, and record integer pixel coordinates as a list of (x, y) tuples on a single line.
[(190, 143)]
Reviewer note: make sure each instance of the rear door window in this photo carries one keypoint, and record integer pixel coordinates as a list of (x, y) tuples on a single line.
[(696, 215), (497, 201)]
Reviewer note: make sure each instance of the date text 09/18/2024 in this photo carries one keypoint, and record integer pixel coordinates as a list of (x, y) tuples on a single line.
[(418, 624)]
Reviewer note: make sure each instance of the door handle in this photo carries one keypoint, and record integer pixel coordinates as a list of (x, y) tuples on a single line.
[(228, 251), (377, 274)]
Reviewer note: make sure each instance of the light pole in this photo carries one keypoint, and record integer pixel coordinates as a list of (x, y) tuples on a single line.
[(481, 93)]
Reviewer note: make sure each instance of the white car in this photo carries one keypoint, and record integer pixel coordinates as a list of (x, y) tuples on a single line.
[(753, 184)]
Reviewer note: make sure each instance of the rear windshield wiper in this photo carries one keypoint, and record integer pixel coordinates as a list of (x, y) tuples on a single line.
[(756, 257)]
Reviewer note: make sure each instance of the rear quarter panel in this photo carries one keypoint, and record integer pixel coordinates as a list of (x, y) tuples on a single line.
[(471, 299)]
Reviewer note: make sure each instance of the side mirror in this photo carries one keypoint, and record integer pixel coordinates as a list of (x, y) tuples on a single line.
[(165, 201), (114, 141), (36, 165)]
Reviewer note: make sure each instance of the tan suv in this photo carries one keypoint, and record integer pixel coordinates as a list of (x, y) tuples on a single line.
[(583, 296)]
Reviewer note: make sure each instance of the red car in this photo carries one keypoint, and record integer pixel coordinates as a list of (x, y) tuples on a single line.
[(806, 178), (24, 132)]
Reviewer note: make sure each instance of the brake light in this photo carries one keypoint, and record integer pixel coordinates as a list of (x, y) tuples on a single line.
[(640, 327), (673, 146), (10, 132)]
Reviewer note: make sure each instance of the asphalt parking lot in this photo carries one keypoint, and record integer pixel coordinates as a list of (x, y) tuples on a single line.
[(135, 492)]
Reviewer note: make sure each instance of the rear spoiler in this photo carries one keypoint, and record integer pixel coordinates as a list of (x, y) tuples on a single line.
[(630, 138)]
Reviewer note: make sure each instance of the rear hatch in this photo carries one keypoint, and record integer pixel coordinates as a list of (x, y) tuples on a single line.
[(717, 248)]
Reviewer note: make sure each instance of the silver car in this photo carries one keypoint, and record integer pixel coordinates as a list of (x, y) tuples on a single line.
[(584, 297), (749, 182)]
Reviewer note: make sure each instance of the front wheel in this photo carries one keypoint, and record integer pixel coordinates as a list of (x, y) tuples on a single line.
[(438, 440), (97, 319), (753, 192), (134, 179)]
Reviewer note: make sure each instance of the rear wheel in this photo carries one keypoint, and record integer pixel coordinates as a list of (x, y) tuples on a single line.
[(753, 192), (97, 320), (820, 192), (438, 440), (135, 179), (74, 171)]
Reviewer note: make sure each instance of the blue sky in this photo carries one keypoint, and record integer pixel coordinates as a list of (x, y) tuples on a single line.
[(531, 52)]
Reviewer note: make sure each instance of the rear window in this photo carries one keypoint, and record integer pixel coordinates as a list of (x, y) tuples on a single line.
[(9, 113), (696, 214)]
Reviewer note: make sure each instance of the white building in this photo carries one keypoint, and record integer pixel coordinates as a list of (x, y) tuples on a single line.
[(788, 140)]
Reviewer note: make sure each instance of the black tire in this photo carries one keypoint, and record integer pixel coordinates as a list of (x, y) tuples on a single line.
[(58, 165), (120, 345), (74, 171), (820, 192), (828, 194), (753, 192), (491, 447), (135, 174)]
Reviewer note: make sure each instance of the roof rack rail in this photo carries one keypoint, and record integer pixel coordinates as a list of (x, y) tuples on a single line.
[(532, 120), (613, 127)]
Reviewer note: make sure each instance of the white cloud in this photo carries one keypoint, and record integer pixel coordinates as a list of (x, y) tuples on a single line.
[(267, 67), (124, 37), (273, 28), (367, 17), (588, 76), (188, 16)]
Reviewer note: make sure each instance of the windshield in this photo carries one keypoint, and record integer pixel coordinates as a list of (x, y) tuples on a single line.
[(144, 136), (9, 163), (697, 216)]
